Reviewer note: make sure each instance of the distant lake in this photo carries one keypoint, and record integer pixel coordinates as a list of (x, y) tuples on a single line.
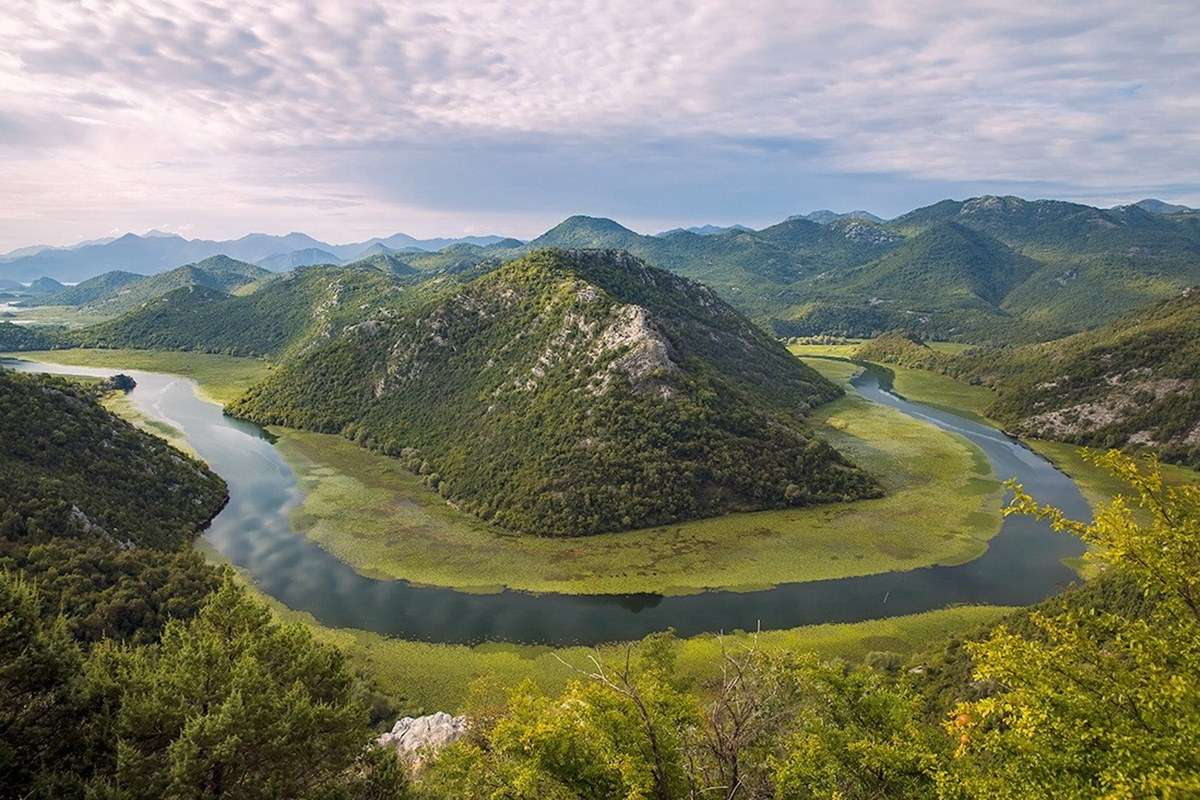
[(1023, 563)]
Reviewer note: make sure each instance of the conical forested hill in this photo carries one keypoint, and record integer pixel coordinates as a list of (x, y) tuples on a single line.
[(570, 392)]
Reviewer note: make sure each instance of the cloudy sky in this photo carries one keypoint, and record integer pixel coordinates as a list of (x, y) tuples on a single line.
[(217, 117)]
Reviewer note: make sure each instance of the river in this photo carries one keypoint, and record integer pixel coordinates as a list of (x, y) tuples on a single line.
[(1023, 563)]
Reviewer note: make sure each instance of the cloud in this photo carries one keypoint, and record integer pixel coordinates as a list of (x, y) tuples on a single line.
[(474, 109)]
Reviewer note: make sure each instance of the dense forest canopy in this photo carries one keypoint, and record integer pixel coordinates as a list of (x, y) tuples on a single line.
[(68, 467), (572, 392)]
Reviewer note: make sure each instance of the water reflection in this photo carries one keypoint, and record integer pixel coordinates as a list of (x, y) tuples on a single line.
[(1022, 565)]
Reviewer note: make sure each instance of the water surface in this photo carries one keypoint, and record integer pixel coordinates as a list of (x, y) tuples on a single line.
[(1022, 565)]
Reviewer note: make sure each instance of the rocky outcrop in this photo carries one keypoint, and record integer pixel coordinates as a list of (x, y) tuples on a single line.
[(416, 738)]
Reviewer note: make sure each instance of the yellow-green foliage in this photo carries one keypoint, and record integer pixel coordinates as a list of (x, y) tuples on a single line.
[(1097, 703)]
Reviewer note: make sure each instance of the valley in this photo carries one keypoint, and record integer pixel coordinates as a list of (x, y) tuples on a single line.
[(599, 401), (373, 514), (723, 547)]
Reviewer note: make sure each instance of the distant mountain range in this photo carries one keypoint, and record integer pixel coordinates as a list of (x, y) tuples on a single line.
[(117, 291), (705, 230), (1159, 207), (157, 251), (987, 269), (824, 216)]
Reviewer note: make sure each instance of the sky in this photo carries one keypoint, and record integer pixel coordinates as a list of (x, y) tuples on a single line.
[(355, 118)]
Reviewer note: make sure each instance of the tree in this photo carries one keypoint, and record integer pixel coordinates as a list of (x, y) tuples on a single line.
[(1097, 703), (857, 736), (230, 704), (39, 698), (617, 732)]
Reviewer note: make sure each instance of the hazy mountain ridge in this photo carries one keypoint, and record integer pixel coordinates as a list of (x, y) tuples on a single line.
[(157, 251), (824, 216), (282, 262), (1080, 266), (550, 394), (118, 292)]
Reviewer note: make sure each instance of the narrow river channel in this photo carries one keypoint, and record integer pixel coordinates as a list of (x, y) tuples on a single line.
[(1023, 563)]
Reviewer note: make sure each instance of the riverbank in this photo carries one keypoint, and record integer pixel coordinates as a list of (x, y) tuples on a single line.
[(221, 379), (421, 677), (371, 513), (257, 534), (971, 401)]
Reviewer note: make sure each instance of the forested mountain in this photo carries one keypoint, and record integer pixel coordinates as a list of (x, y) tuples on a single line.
[(92, 290), (1095, 264), (570, 392), (69, 468), (1133, 382), (985, 270), (1034, 269), (751, 269), (824, 216), (44, 285), (117, 292), (282, 262), (15, 337), (292, 310), (1159, 207), (946, 281), (110, 627)]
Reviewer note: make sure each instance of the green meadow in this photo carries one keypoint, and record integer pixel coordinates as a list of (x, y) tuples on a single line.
[(420, 677), (66, 316), (220, 378), (942, 506), (918, 385)]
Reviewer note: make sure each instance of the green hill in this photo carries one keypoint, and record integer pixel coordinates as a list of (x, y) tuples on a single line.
[(1094, 264), (987, 270), (15, 337), (309, 256), (571, 392), (751, 269), (282, 316), (948, 281), (44, 286), (384, 262), (92, 289), (1133, 382), (70, 469), (114, 293)]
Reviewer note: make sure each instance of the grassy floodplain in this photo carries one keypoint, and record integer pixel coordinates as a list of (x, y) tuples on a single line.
[(220, 378), (918, 385), (421, 677), (66, 316), (942, 506)]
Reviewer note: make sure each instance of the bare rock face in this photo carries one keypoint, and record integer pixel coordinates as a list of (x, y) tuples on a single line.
[(414, 738)]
